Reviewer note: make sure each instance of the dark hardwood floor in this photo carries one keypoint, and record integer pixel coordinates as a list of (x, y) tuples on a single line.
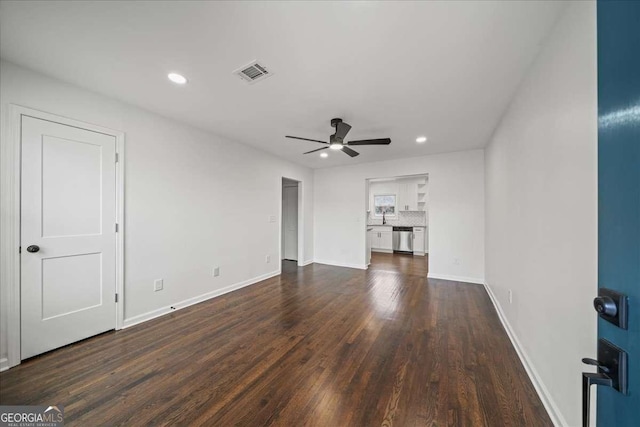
[(319, 345)]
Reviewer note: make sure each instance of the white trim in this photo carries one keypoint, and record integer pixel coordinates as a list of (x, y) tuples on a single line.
[(10, 231), (382, 251), (4, 364), (341, 264), (300, 220), (464, 279), (120, 188), (310, 261), (545, 396), (135, 320), (10, 226), (300, 223)]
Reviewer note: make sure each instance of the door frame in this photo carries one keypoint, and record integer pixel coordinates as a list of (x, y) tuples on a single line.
[(301, 260), (10, 225)]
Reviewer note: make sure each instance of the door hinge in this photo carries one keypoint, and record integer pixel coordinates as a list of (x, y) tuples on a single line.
[(19, 249), (116, 227), (117, 157), (116, 297)]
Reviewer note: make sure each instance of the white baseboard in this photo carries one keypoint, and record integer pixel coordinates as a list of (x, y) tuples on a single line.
[(191, 301), (341, 264), (548, 402), (474, 280), (305, 263), (382, 251), (4, 364)]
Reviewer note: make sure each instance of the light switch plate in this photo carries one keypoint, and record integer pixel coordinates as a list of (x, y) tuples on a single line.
[(158, 285), (216, 271)]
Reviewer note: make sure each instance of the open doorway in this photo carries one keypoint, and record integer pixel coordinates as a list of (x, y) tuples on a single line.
[(398, 224), (290, 219)]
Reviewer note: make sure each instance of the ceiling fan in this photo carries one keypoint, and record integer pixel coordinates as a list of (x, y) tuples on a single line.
[(336, 141)]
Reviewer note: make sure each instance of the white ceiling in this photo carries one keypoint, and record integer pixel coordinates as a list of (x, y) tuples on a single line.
[(446, 70)]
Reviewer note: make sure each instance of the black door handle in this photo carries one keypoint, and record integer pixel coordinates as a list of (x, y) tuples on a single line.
[(588, 379), (605, 305), (33, 248), (594, 362), (612, 372)]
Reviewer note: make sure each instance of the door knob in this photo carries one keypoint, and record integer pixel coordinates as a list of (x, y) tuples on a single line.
[(605, 305), (612, 307), (33, 248)]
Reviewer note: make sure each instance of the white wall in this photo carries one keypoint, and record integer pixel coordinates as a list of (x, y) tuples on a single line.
[(193, 200), (456, 212), (541, 189)]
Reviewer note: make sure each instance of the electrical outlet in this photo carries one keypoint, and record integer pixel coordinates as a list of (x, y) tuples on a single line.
[(268, 259), (216, 271), (510, 296), (158, 285), (272, 218), (457, 261)]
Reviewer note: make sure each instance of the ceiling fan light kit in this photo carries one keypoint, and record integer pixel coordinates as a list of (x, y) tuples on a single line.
[(336, 141)]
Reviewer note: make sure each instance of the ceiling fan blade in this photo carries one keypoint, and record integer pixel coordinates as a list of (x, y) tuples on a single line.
[(381, 141), (306, 139), (342, 130), (313, 151), (349, 151)]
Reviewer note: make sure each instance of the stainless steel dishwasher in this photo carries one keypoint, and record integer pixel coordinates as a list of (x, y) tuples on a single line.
[(403, 240)]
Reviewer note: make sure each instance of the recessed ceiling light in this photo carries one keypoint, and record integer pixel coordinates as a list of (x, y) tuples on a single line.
[(324, 155), (177, 78), (421, 139)]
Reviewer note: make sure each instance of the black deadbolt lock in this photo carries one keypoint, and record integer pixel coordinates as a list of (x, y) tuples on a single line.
[(605, 305), (612, 307)]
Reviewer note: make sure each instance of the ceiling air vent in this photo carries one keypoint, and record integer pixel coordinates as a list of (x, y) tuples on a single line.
[(253, 72)]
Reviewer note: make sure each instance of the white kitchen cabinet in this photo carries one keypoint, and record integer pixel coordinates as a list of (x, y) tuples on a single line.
[(419, 240), (381, 239), (426, 240), (374, 239), (386, 240), (412, 196), (408, 195), (401, 197)]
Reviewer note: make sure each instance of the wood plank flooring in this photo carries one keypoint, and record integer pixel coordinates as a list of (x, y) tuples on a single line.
[(317, 346)]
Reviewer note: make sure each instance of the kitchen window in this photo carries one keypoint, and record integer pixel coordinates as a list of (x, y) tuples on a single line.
[(384, 203)]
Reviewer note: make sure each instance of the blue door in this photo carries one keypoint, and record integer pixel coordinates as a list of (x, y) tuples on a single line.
[(619, 195)]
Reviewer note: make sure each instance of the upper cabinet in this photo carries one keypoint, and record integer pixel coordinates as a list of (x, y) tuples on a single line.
[(412, 194)]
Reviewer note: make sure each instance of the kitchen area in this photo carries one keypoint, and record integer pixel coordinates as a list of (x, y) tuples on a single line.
[(397, 216)]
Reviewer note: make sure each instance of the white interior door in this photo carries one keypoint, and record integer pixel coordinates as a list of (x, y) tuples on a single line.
[(290, 222), (68, 215)]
